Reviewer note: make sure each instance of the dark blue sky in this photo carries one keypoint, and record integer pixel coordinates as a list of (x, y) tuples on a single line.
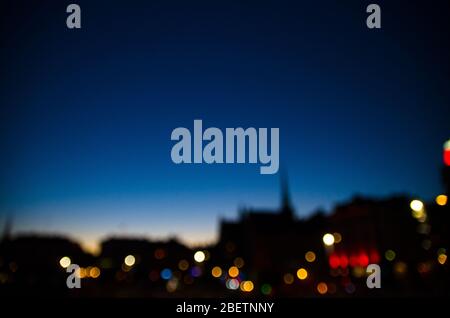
[(86, 115)]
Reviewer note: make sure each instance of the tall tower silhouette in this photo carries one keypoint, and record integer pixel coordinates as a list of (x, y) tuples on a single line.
[(286, 204)]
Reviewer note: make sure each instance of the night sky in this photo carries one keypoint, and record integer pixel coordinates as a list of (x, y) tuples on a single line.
[(86, 115)]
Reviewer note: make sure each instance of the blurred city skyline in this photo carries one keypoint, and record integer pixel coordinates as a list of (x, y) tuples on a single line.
[(86, 115)]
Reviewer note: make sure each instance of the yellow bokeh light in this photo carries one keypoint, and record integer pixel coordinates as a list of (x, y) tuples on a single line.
[(416, 205), (288, 278), (125, 267), (442, 259), (322, 288), (247, 286), (81, 272), (233, 271), (441, 199), (130, 260), (358, 271), (94, 272), (400, 268), (65, 262), (310, 256), (422, 218), (199, 256), (216, 272), (328, 239), (419, 215), (337, 237), (302, 274)]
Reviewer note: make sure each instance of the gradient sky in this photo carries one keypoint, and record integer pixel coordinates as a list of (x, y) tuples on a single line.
[(86, 115)]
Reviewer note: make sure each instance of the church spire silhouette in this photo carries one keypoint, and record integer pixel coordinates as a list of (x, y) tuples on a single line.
[(286, 204)]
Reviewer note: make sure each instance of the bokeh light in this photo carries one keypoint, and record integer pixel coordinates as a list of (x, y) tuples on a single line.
[(441, 199), (337, 237), (334, 261), (328, 239), (447, 153), (343, 261), (416, 205), (389, 255), (302, 274), (358, 271), (424, 267), (172, 285), (130, 260), (125, 267), (363, 259), (65, 262), (322, 288), (166, 274), (353, 260), (94, 272), (233, 271), (232, 284), (183, 265), (81, 273), (442, 259), (247, 286), (420, 215), (310, 256), (216, 272), (199, 256), (196, 271), (239, 262), (400, 268), (288, 278), (374, 257), (266, 289)]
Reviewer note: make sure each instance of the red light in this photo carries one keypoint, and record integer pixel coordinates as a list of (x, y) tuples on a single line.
[(343, 261), (374, 257), (447, 157), (354, 261), (334, 261), (363, 260)]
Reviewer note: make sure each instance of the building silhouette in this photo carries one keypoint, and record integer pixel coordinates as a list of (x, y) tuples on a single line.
[(278, 252)]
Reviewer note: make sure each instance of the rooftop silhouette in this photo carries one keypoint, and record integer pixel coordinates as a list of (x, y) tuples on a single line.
[(262, 253)]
